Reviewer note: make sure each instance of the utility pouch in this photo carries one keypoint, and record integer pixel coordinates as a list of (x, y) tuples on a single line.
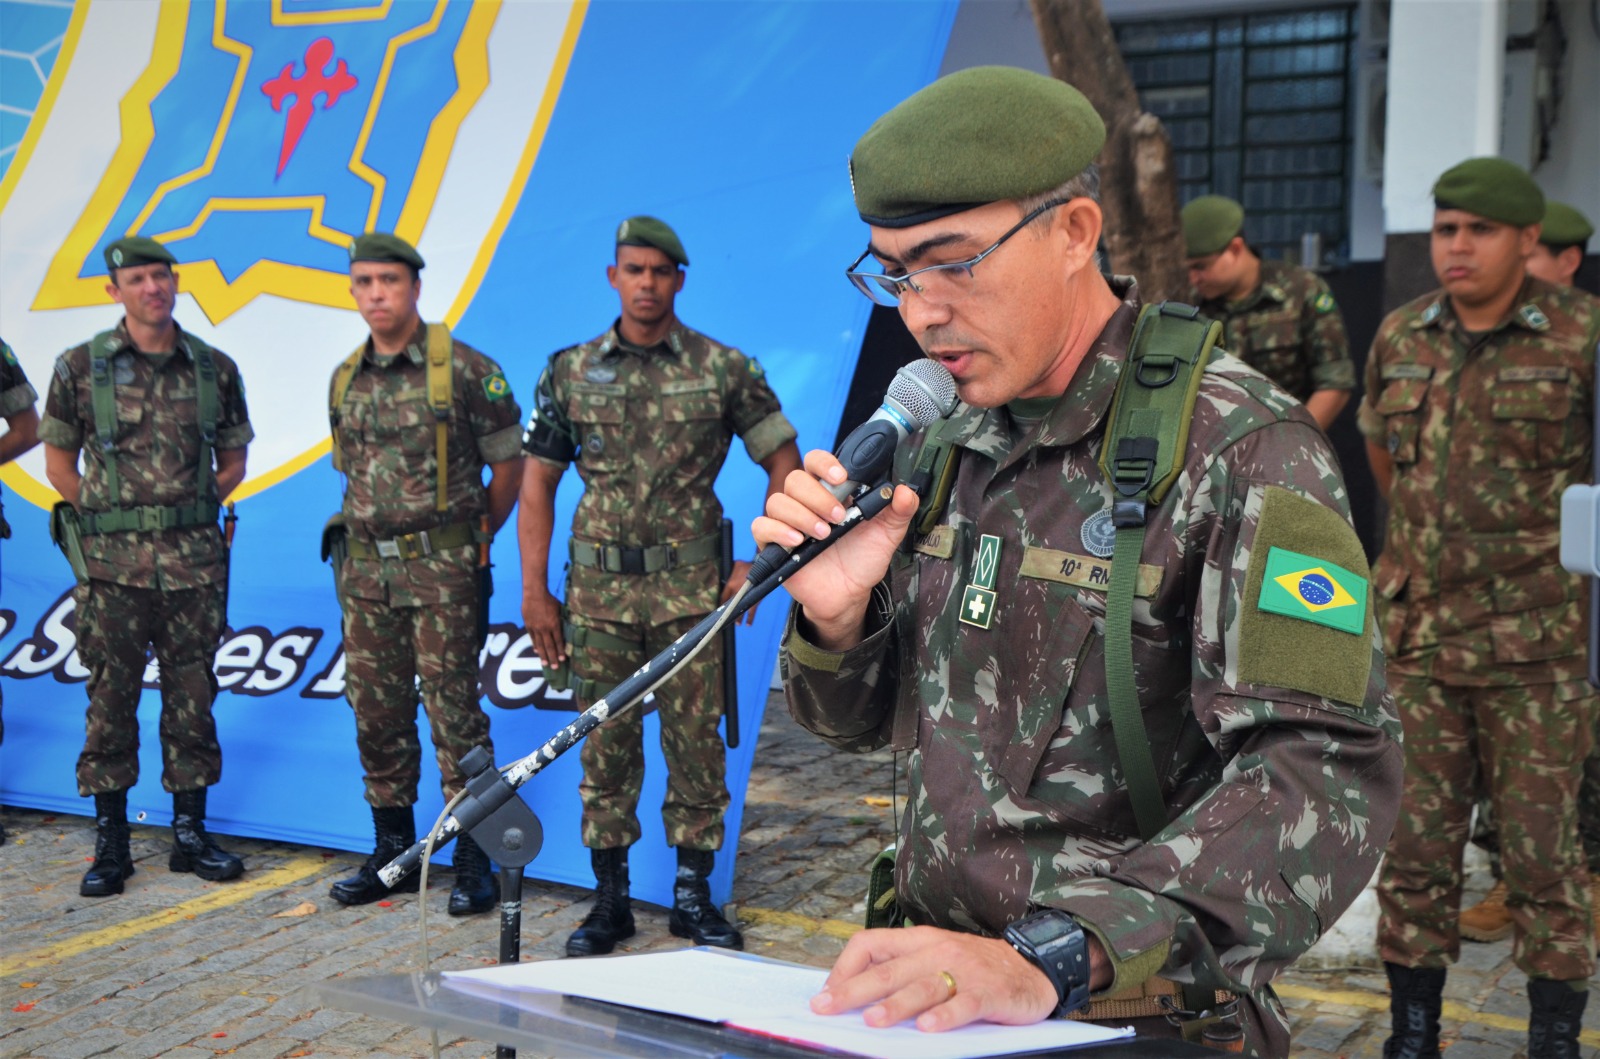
[(558, 676), (883, 910), (335, 548), (67, 533)]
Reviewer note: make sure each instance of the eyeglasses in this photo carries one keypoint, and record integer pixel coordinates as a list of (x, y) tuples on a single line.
[(938, 283)]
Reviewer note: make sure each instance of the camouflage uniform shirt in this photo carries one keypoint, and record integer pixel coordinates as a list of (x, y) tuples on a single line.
[(16, 395), (1289, 329), (1485, 433), (157, 452), (1274, 741), (386, 433), (650, 429)]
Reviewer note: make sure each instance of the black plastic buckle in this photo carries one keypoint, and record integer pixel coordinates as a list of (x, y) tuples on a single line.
[(632, 560)]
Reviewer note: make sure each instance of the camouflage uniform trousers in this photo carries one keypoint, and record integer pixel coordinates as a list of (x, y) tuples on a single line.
[(386, 650), (115, 623), (1483, 829), (1527, 746), (689, 707)]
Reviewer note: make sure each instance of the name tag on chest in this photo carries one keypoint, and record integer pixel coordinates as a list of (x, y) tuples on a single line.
[(1083, 571)]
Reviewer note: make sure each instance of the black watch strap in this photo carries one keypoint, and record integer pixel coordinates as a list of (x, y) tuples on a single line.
[(1053, 941)]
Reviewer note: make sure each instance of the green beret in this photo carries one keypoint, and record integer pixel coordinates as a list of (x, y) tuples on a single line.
[(1494, 189), (1209, 223), (981, 135), (1564, 226), (650, 231), (136, 250), (381, 246)]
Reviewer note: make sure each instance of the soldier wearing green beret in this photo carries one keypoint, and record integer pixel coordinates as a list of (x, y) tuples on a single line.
[(1562, 240), (1278, 318), (160, 421), (22, 433), (982, 643), (1478, 414), (647, 410), (416, 416), (1555, 259)]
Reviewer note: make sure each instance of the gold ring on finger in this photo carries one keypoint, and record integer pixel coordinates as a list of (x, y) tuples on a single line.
[(949, 984)]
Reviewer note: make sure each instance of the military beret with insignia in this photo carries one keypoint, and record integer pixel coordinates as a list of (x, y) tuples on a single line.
[(980, 135), (650, 231), (1564, 226), (382, 246), (1494, 189), (136, 250), (1209, 223)]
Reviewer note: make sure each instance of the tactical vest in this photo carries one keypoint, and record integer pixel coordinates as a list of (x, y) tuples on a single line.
[(441, 383), (1147, 434), (103, 398)]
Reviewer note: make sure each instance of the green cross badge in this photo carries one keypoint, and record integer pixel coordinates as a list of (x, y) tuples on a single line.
[(978, 600)]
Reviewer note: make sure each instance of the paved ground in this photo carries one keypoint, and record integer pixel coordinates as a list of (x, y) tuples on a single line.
[(186, 969)]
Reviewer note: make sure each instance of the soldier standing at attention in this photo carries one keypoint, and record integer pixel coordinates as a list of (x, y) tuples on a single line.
[(161, 421), (1555, 259), (991, 648), (416, 416), (1278, 318), (648, 410), (22, 434), (1477, 416)]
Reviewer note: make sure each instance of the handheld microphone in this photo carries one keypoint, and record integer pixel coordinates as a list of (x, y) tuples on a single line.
[(921, 392)]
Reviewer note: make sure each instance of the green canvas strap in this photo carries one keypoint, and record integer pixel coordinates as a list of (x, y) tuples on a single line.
[(441, 394), (103, 400), (1147, 434), (933, 477), (643, 559)]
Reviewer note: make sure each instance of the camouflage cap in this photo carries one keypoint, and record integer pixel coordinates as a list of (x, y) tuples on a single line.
[(136, 250), (1209, 223), (1564, 226), (977, 136), (1494, 189), (382, 246), (651, 231)]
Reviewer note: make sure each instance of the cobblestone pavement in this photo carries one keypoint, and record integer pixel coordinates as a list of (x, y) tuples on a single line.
[(186, 969)]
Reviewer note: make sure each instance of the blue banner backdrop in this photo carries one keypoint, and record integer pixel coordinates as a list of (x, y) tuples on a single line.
[(507, 141)]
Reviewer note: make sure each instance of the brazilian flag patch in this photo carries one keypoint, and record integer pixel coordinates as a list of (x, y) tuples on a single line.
[(495, 386), (1300, 586), (1324, 303)]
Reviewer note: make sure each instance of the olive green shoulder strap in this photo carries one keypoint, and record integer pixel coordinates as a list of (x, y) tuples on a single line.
[(103, 399), (1147, 436), (441, 380), (933, 476), (343, 376), (206, 409)]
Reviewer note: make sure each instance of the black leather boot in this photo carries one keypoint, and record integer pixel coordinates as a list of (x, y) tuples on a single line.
[(113, 863), (1415, 996), (611, 918), (474, 888), (1555, 1018), (693, 914), (395, 832), (192, 848)]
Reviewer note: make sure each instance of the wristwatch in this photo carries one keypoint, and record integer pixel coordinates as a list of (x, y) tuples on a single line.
[(1053, 941)]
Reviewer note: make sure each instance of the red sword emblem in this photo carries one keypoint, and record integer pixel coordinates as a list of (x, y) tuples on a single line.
[(305, 89)]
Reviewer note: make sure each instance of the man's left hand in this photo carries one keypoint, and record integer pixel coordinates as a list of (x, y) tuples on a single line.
[(741, 570), (895, 974)]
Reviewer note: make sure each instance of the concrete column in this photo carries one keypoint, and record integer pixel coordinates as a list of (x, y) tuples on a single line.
[(1446, 74)]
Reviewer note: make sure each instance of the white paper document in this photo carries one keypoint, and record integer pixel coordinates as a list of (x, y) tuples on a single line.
[(767, 997)]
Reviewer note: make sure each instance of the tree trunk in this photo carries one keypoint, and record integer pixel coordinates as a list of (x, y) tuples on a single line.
[(1138, 187)]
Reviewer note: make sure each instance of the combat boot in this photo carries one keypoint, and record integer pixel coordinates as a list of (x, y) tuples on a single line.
[(693, 914), (1555, 1017), (611, 918), (474, 888), (1489, 919), (192, 848), (395, 831), (113, 862), (1415, 996)]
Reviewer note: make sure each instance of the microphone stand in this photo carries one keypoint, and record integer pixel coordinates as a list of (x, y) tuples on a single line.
[(487, 791)]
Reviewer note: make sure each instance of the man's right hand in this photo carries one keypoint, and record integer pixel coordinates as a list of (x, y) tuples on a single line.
[(541, 612), (834, 589)]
